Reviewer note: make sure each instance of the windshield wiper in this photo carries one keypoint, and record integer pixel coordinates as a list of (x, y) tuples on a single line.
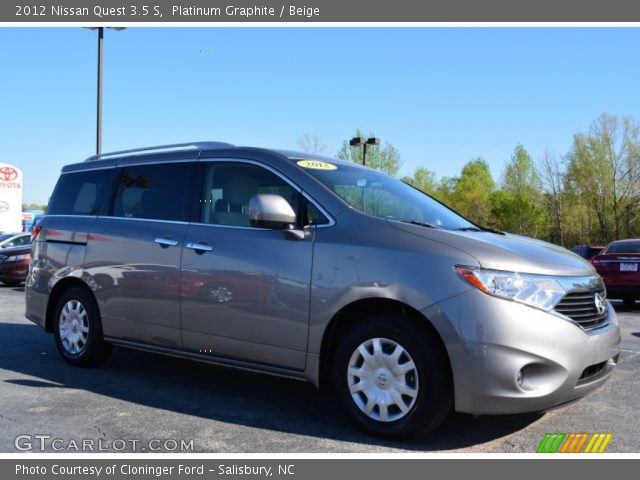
[(479, 229), (422, 224)]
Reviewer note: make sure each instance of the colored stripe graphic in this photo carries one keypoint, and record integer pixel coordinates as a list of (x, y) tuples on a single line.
[(580, 443), (569, 443), (557, 442), (598, 443), (550, 443), (606, 441)]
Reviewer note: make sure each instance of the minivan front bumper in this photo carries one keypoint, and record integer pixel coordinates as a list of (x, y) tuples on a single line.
[(507, 357)]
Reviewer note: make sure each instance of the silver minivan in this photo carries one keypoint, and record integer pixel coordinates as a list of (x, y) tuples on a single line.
[(320, 270)]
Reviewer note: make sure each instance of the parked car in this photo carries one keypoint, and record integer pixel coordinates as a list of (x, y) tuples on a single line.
[(618, 264), (14, 240), (14, 265), (587, 251), (333, 273)]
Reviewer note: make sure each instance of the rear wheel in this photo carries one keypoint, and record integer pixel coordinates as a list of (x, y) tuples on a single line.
[(392, 377), (78, 329), (629, 301), (12, 283)]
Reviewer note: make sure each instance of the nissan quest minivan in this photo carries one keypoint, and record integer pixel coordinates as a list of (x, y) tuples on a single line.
[(320, 270)]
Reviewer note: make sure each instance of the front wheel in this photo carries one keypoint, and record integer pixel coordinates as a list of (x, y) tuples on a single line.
[(78, 329), (393, 377)]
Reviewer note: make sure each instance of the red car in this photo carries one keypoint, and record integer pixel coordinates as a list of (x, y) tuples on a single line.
[(14, 265), (619, 266)]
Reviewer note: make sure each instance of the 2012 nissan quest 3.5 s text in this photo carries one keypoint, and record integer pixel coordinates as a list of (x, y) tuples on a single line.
[(322, 270)]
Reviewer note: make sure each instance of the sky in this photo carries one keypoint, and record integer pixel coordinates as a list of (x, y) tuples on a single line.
[(441, 96)]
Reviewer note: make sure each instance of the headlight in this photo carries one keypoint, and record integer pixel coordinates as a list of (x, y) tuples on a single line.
[(15, 258), (539, 291)]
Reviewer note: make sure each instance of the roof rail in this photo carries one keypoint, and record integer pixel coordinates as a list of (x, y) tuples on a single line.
[(196, 145)]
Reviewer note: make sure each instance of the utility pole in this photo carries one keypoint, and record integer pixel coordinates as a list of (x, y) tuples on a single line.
[(357, 141)]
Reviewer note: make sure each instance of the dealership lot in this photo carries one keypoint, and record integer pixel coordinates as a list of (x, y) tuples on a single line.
[(148, 402)]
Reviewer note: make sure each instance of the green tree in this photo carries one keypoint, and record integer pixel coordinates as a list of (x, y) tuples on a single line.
[(422, 179), (33, 206), (444, 190), (385, 158), (553, 176), (604, 171), (518, 205), (470, 193)]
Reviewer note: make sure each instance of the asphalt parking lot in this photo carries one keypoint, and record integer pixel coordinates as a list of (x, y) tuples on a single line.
[(136, 397)]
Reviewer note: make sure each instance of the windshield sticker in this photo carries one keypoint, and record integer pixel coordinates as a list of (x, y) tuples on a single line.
[(316, 164)]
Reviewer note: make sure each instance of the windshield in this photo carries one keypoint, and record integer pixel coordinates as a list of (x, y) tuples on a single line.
[(6, 236), (380, 195)]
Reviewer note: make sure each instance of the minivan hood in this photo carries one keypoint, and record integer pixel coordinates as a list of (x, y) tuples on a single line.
[(507, 252)]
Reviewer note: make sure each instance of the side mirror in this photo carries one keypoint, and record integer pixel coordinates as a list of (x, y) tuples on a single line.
[(270, 211)]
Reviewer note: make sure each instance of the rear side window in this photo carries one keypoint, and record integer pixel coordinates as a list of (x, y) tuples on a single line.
[(80, 193), (155, 192)]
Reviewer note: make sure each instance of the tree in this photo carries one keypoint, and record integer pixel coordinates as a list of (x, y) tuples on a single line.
[(33, 206), (384, 158), (553, 180), (311, 143), (604, 170), (471, 191), (422, 179), (444, 190), (518, 206)]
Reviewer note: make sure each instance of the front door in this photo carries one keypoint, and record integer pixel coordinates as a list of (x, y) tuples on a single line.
[(244, 290)]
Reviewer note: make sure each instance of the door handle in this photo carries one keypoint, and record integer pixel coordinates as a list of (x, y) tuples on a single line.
[(199, 247), (166, 242)]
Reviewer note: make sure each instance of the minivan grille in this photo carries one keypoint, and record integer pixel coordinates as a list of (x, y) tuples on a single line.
[(581, 308)]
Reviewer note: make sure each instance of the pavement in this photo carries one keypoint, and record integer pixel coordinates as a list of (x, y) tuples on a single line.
[(145, 402)]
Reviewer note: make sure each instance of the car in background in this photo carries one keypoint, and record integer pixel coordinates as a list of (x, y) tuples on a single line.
[(18, 239), (619, 266), (587, 251), (14, 264)]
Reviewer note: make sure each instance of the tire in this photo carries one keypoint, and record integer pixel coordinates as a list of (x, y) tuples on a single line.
[(78, 329), (12, 283), (629, 301), (429, 397)]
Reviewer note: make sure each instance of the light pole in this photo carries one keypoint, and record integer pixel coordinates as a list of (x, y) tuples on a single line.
[(357, 141), (99, 96)]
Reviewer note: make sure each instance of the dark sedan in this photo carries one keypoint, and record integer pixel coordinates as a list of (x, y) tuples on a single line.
[(619, 266), (14, 265)]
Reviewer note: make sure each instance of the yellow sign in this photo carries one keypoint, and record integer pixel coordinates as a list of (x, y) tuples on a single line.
[(317, 165)]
